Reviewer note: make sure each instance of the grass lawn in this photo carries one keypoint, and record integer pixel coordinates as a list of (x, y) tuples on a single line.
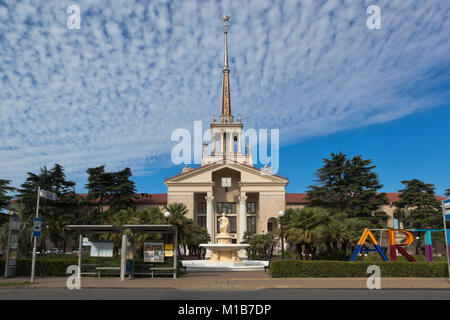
[(10, 284)]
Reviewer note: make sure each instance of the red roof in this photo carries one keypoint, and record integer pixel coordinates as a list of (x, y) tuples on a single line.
[(291, 198), (301, 198), (151, 198), (144, 198)]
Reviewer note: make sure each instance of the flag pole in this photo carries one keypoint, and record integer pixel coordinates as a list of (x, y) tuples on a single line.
[(33, 262)]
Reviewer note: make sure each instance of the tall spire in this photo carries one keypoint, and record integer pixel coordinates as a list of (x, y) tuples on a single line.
[(226, 116)]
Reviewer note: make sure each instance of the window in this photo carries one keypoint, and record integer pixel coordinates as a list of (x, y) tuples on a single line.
[(232, 225), (270, 226), (251, 224), (251, 207), (201, 221), (226, 207), (202, 207)]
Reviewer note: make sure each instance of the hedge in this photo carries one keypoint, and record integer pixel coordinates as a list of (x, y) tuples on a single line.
[(338, 269), (49, 267), (43, 268)]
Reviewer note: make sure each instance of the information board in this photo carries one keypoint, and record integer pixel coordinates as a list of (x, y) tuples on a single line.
[(153, 251), (168, 250), (102, 248), (11, 253), (37, 227)]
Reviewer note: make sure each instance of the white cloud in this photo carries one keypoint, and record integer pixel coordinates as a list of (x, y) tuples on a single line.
[(112, 92)]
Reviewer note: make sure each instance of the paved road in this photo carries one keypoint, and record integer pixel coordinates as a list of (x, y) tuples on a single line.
[(266, 294)]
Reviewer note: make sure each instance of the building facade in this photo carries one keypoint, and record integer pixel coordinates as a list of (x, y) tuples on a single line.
[(227, 182)]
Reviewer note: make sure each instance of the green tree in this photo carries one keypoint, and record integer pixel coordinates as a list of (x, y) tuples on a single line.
[(178, 212), (5, 199), (306, 230), (261, 245), (196, 236), (418, 206), (319, 233), (117, 218), (59, 213), (112, 189), (348, 185), (55, 213), (447, 193), (25, 244), (28, 197)]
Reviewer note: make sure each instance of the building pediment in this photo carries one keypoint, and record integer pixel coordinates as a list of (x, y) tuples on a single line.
[(203, 175)]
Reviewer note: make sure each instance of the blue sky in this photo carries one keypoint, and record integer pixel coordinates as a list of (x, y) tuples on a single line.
[(414, 147), (112, 92)]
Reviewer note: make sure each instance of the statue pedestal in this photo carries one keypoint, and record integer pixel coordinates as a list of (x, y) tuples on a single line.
[(224, 250), (224, 254), (224, 238)]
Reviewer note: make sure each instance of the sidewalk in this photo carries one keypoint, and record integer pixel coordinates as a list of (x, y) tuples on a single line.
[(233, 281)]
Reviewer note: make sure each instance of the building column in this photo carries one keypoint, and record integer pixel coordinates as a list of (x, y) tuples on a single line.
[(239, 144), (242, 216), (210, 215)]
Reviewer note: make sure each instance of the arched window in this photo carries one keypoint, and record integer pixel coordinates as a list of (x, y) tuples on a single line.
[(272, 225)]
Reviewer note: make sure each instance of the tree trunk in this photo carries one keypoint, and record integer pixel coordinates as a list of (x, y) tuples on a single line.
[(299, 250), (329, 247), (307, 250), (314, 253)]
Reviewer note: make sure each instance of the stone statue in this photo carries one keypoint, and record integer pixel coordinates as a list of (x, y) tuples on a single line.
[(224, 222)]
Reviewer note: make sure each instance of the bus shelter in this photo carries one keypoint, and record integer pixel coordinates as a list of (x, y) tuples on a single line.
[(127, 249), (90, 229), (165, 229)]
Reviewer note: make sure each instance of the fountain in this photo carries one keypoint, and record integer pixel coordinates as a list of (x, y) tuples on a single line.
[(224, 256)]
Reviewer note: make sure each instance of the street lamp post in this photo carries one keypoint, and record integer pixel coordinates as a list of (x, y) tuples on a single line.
[(166, 215), (281, 214)]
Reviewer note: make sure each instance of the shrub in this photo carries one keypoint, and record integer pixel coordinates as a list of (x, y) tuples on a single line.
[(44, 267), (335, 255), (338, 269), (261, 245), (48, 266)]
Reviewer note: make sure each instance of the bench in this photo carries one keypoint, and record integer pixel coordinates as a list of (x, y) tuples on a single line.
[(99, 269), (153, 269), (180, 265), (270, 259), (267, 267)]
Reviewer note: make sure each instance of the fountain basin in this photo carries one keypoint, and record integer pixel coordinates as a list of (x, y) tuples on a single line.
[(224, 246), (207, 265), (224, 252)]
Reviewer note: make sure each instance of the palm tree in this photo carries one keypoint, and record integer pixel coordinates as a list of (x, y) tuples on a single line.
[(25, 244), (118, 218), (151, 215), (197, 236), (178, 212), (308, 228)]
